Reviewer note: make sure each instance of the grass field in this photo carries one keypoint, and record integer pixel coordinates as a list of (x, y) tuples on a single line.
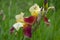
[(13, 7)]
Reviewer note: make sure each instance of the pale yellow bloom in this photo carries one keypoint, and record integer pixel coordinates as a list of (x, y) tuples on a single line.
[(34, 10), (20, 17)]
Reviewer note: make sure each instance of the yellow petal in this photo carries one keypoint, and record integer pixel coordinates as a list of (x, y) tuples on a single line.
[(34, 10)]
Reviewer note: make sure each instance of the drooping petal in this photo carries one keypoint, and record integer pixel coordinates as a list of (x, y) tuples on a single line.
[(12, 30), (18, 25), (27, 31), (51, 7), (30, 20), (46, 20)]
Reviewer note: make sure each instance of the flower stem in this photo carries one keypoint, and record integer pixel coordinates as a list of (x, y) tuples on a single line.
[(25, 38)]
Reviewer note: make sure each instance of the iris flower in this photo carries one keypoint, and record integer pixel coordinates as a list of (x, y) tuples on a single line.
[(20, 22), (37, 12), (26, 23), (34, 10), (46, 9)]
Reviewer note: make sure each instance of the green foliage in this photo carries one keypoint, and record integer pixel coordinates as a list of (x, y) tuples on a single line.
[(42, 33)]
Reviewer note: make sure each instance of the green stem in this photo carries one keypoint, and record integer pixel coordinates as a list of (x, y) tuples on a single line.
[(25, 38)]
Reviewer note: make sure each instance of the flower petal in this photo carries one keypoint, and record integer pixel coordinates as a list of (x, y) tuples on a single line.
[(34, 10), (27, 31), (30, 20), (34, 7), (46, 20), (12, 30), (20, 17), (18, 25)]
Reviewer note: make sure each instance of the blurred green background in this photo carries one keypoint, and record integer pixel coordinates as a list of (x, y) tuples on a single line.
[(13, 7)]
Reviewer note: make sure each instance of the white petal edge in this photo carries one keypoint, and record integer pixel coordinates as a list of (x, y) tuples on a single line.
[(18, 25)]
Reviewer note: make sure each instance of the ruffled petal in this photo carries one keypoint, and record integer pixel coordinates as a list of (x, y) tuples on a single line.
[(34, 10), (27, 31), (30, 20), (20, 17)]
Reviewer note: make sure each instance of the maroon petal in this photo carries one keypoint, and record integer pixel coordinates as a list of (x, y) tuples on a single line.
[(30, 20), (12, 30), (46, 20), (27, 31)]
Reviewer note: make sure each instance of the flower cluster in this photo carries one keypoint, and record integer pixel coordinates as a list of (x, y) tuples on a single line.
[(26, 22)]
